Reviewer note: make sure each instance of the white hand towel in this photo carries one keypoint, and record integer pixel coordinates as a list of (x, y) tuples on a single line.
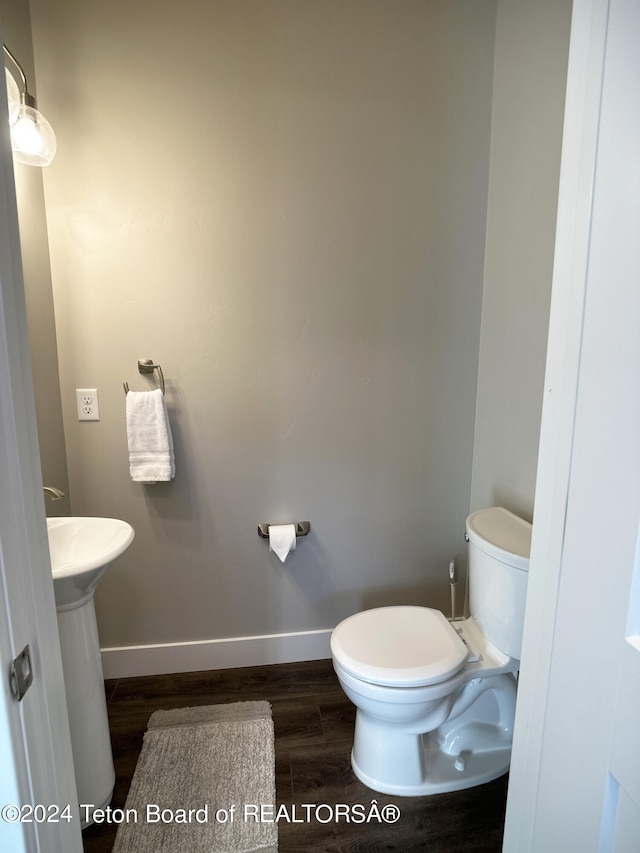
[(149, 437)]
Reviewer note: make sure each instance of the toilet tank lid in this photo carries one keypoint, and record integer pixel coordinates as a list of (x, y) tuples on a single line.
[(501, 534)]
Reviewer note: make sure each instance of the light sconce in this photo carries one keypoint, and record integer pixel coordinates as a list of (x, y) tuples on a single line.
[(32, 138)]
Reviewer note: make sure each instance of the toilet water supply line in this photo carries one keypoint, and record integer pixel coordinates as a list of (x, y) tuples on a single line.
[(453, 579)]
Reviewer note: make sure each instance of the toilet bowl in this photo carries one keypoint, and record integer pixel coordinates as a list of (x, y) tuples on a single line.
[(436, 699)]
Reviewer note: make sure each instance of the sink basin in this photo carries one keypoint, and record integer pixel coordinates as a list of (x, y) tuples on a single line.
[(81, 550)]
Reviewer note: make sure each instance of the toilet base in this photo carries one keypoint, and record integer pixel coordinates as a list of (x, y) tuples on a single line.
[(469, 748), (443, 775)]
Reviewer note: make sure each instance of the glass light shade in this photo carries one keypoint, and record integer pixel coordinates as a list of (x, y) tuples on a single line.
[(32, 138), (13, 97)]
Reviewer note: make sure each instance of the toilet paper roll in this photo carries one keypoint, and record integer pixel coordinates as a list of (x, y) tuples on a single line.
[(282, 539)]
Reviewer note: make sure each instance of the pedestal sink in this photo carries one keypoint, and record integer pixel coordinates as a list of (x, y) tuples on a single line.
[(81, 550)]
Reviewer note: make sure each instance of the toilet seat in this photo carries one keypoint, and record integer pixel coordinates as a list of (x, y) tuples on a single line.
[(401, 646)]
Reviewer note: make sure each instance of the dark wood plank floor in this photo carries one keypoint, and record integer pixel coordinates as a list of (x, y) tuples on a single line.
[(313, 724)]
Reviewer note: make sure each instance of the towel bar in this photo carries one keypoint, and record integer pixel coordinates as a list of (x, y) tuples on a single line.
[(302, 529), (147, 366)]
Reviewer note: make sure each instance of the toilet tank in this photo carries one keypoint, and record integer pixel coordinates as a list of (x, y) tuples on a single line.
[(499, 547)]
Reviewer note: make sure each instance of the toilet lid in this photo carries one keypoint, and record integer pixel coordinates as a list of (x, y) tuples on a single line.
[(398, 646)]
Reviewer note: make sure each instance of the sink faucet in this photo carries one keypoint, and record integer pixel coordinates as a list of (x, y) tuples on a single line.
[(54, 494)]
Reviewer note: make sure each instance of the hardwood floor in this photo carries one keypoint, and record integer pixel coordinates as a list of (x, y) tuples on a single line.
[(313, 723)]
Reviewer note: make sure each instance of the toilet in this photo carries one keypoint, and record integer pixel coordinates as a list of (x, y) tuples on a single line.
[(435, 699)]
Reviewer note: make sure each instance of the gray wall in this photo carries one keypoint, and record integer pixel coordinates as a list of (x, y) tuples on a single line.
[(531, 53), (16, 33), (284, 204)]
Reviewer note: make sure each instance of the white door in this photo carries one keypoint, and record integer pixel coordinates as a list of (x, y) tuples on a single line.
[(575, 780), (36, 767)]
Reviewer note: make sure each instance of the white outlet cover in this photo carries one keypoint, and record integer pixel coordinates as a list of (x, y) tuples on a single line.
[(87, 404)]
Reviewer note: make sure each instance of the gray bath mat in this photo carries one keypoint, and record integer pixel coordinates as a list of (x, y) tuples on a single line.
[(204, 783)]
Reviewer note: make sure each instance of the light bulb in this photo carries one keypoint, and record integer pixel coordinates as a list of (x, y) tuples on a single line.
[(32, 137)]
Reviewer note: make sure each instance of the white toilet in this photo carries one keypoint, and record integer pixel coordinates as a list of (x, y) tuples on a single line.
[(436, 699)]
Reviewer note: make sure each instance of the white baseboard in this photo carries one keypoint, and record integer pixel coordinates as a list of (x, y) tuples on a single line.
[(228, 653)]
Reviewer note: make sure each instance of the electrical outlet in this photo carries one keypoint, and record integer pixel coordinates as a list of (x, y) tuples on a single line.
[(87, 404)]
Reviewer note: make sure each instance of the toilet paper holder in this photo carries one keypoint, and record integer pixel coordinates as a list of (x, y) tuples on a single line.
[(302, 529)]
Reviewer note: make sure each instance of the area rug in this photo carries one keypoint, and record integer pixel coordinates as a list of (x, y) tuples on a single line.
[(204, 783)]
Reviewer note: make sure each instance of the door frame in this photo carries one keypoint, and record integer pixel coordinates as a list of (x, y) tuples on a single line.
[(587, 507), (35, 744)]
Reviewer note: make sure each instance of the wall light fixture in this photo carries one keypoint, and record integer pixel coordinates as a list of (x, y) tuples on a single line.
[(32, 138)]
